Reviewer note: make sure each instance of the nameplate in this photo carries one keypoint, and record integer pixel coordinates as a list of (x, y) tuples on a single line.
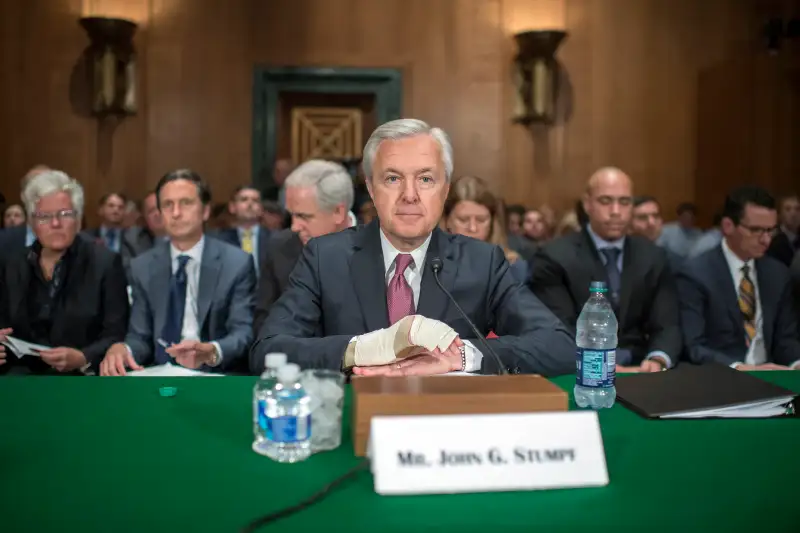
[(486, 453)]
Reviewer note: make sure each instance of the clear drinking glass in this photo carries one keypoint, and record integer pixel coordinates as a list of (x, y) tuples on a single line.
[(326, 389)]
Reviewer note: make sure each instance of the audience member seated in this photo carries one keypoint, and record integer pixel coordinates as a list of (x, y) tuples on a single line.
[(65, 292), (514, 215), (15, 240), (647, 223), (786, 242), (472, 210), (337, 301), (367, 212), (679, 237), (246, 231), (13, 216), (709, 240), (192, 296), (319, 195), (736, 303), (112, 213), (641, 286), (141, 238), (534, 234), (132, 216), (273, 216)]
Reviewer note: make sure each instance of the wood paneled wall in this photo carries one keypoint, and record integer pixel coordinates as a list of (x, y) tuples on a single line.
[(633, 69)]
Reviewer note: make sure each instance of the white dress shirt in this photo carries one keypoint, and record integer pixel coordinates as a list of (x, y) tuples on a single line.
[(413, 275), (191, 328), (757, 353)]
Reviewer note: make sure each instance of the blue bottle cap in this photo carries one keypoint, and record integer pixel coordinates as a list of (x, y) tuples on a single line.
[(598, 286)]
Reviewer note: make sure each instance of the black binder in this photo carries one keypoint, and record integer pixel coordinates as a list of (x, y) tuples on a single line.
[(703, 391)]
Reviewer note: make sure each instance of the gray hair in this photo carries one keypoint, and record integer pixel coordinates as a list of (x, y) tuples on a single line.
[(332, 182), (50, 182), (400, 129)]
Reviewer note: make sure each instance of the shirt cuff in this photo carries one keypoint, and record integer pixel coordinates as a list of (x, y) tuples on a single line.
[(215, 344), (736, 364), (795, 365), (473, 356), (662, 355)]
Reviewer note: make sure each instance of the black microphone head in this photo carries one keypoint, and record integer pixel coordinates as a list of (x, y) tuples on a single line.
[(436, 264)]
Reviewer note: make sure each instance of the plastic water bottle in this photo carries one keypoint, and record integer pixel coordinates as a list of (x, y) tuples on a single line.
[(596, 339), (267, 381), (287, 409)]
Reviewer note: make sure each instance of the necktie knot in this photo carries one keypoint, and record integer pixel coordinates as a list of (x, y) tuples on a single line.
[(402, 262), (183, 259), (611, 254)]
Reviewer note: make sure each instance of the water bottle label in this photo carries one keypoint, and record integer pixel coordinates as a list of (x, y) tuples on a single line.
[(288, 428), (596, 368), (262, 415)]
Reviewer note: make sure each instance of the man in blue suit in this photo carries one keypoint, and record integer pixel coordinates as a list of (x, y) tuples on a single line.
[(193, 297), (361, 285), (736, 303)]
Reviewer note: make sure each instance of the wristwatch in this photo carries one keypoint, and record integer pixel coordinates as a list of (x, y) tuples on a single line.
[(463, 350)]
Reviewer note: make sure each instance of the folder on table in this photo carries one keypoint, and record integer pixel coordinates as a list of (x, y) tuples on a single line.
[(703, 391)]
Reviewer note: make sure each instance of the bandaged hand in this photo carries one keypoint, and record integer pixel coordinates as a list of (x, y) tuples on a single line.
[(409, 336)]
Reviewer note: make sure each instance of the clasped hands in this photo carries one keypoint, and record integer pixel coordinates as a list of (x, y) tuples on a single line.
[(413, 346)]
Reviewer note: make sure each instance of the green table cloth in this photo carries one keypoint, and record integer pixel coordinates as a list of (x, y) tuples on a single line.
[(111, 455)]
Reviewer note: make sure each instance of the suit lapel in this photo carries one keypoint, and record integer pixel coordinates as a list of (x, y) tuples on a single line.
[(630, 264), (368, 275), (209, 276), (728, 291), (765, 295), (432, 301), (159, 289)]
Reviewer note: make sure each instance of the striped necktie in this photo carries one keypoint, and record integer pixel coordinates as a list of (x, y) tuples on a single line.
[(747, 304)]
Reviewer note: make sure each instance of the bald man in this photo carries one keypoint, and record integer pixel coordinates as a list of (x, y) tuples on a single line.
[(641, 286)]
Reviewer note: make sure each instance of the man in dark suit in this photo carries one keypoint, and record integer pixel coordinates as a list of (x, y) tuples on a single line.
[(319, 195), (786, 242), (142, 238), (795, 273), (636, 271), (360, 285), (65, 292), (192, 296), (736, 303), (247, 233), (648, 223)]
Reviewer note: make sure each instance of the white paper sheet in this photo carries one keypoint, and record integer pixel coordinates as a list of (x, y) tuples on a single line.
[(21, 348), (170, 370)]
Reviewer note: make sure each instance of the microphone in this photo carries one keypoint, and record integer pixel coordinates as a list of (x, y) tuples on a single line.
[(436, 267)]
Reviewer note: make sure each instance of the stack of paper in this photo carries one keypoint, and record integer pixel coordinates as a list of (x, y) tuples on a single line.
[(171, 371)]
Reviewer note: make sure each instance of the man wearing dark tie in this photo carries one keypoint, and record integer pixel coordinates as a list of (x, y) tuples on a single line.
[(112, 212), (319, 195), (736, 302), (192, 296), (641, 286), (247, 233), (366, 297)]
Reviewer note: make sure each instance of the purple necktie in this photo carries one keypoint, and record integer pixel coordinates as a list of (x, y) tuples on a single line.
[(399, 296)]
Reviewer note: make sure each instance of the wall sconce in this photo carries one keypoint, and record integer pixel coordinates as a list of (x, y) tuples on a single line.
[(536, 76), (112, 65)]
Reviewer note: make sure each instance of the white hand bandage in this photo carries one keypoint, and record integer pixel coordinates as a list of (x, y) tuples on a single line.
[(408, 336)]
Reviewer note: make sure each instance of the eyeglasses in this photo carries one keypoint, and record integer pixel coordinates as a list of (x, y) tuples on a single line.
[(761, 231), (43, 219)]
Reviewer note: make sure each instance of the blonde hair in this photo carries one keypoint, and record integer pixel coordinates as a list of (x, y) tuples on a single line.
[(475, 189)]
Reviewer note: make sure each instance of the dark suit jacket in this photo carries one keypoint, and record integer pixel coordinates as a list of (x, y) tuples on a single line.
[(12, 241), (126, 249), (138, 239), (285, 249), (231, 236), (713, 327), (338, 291), (648, 309), (781, 249), (92, 309), (795, 273)]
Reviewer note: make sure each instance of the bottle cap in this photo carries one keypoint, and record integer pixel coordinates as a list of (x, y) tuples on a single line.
[(288, 373), (598, 286), (274, 360)]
